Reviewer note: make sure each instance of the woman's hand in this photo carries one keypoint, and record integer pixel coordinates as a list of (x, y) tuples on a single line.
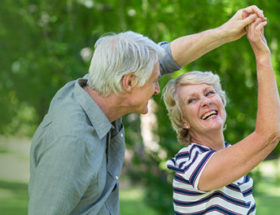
[(255, 35)]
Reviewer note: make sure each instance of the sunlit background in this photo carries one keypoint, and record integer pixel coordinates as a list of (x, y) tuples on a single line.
[(46, 43)]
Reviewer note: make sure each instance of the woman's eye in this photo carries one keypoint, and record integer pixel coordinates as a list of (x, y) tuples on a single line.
[(209, 93), (191, 100)]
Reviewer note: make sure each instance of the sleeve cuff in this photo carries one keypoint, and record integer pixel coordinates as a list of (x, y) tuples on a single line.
[(167, 63)]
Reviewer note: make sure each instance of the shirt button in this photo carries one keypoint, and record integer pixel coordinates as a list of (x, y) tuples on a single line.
[(117, 177), (121, 134)]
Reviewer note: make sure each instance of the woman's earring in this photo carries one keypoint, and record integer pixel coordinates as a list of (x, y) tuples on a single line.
[(187, 127)]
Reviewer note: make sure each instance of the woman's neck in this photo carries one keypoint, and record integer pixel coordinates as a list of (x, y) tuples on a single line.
[(213, 140)]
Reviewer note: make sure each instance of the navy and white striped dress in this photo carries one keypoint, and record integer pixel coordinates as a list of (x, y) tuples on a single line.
[(188, 164)]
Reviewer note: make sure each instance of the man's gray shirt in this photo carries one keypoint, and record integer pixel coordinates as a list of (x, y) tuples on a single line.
[(77, 154)]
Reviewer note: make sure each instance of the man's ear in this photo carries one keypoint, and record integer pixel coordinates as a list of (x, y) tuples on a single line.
[(128, 82)]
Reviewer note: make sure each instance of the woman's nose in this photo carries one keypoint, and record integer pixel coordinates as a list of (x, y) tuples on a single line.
[(205, 101)]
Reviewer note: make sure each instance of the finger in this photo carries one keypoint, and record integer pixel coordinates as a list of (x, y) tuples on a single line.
[(260, 26), (254, 26), (257, 22), (254, 9), (251, 18), (262, 29), (245, 14)]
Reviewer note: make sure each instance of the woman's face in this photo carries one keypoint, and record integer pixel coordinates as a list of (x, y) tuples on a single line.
[(202, 108)]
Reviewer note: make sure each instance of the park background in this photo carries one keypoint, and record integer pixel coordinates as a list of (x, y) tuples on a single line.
[(46, 43)]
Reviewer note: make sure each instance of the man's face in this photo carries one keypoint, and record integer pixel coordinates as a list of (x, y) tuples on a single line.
[(141, 95)]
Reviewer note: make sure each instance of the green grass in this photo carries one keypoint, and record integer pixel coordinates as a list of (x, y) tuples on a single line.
[(14, 200), (131, 202), (14, 196)]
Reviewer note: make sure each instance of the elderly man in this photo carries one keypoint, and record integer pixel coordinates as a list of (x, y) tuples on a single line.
[(78, 150)]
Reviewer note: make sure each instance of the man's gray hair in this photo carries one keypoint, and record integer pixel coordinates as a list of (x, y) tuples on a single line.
[(116, 55)]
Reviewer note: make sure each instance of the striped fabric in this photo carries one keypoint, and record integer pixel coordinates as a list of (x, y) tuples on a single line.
[(188, 164)]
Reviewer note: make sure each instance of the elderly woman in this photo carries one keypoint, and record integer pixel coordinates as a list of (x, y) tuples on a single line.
[(210, 174)]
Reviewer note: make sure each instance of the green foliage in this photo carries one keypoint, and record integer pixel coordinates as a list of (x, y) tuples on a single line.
[(44, 44)]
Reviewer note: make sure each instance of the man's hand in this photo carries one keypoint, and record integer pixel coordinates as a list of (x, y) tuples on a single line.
[(235, 27), (190, 47)]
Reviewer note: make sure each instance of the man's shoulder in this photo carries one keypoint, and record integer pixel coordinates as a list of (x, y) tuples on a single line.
[(66, 131), (66, 117)]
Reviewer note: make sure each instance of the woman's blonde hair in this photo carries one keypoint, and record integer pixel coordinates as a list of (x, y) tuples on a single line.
[(171, 99)]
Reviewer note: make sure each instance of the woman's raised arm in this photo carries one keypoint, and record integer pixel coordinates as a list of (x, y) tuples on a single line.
[(229, 164)]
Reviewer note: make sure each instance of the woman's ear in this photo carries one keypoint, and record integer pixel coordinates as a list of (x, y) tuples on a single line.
[(186, 125), (128, 82)]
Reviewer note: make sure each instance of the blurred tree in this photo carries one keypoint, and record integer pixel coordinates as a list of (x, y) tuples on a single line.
[(44, 44)]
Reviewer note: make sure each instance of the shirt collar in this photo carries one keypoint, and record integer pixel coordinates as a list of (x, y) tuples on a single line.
[(96, 116)]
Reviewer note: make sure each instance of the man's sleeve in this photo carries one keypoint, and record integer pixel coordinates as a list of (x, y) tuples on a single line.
[(167, 63)]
